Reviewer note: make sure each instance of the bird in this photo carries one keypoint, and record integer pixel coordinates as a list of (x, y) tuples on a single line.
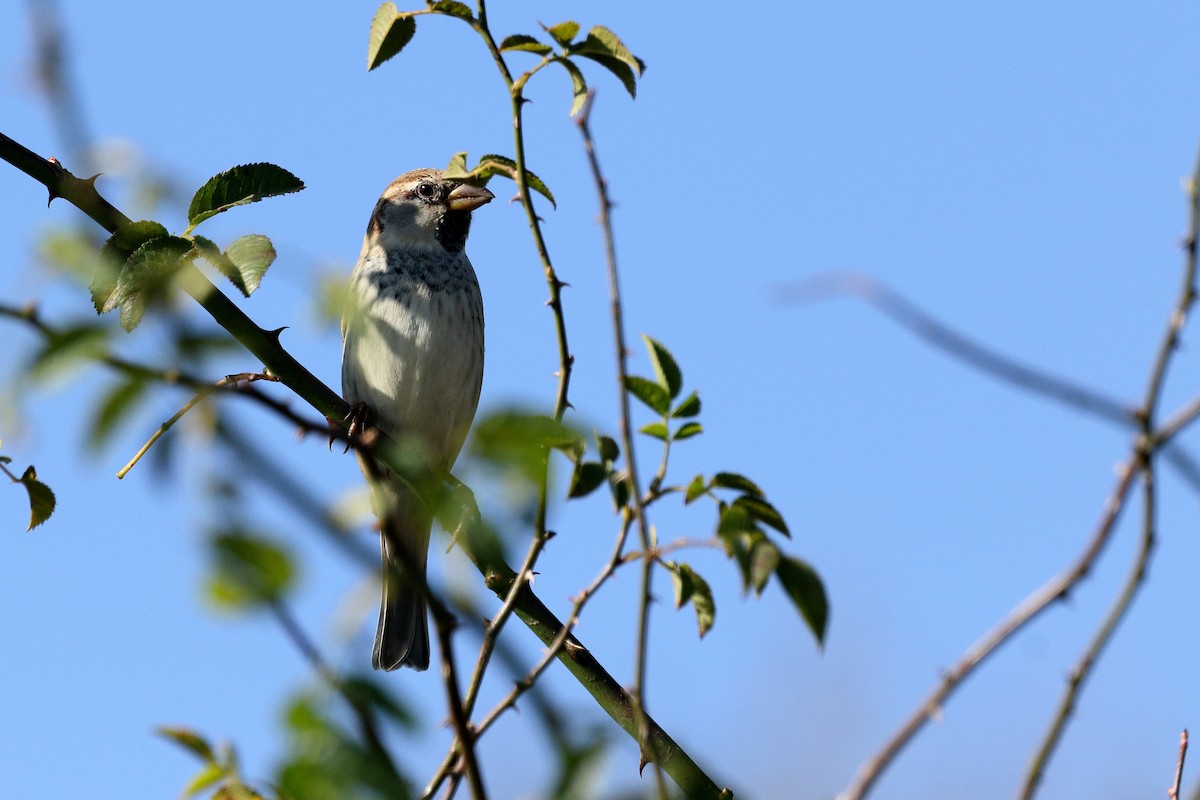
[(412, 367)]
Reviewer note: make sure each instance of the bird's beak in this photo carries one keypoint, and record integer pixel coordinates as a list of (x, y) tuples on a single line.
[(465, 197)]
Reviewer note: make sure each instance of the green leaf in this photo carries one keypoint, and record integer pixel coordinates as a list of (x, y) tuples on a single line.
[(68, 348), (189, 740), (113, 255), (603, 47), (764, 558), (146, 276), (587, 478), (114, 408), (764, 512), (732, 480), (41, 499), (656, 429), (519, 41), (248, 570), (734, 520), (690, 587), (489, 166), (689, 407), (516, 441), (390, 32), (246, 183), (688, 430), (578, 85), (608, 448), (209, 775), (806, 591), (453, 8), (457, 168), (563, 32), (648, 392), (251, 256), (694, 489), (665, 368)]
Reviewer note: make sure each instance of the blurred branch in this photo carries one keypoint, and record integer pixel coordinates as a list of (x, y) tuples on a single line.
[(54, 79), (941, 336), (498, 576), (367, 726)]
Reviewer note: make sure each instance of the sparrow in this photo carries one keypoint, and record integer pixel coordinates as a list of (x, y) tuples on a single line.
[(412, 364)]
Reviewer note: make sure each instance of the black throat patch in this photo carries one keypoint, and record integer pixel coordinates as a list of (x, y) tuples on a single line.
[(452, 230)]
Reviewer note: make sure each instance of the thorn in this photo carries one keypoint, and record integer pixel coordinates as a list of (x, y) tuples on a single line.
[(573, 647), (274, 334)]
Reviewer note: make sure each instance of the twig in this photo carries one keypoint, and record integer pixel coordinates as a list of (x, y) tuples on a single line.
[(1024, 613), (445, 623), (626, 427), (1145, 452), (1173, 792), (1083, 669), (225, 383)]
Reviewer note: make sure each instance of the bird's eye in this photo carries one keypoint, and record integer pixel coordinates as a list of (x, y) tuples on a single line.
[(427, 190)]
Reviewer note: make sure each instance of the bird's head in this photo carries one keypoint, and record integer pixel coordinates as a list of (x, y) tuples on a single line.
[(423, 208)]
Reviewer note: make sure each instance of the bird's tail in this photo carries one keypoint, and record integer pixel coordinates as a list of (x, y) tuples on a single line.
[(402, 638)]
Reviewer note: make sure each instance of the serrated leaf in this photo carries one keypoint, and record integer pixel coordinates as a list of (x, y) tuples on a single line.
[(390, 32), (492, 164), (656, 429), (665, 368), (67, 348), (764, 558), (618, 68), (453, 8), (208, 250), (251, 255), (189, 740), (113, 408), (587, 478), (114, 254), (146, 276), (690, 587), (579, 87), (608, 448), (41, 499), (248, 570), (688, 407), (695, 489), (488, 167), (245, 183), (764, 512), (732, 480), (603, 47), (688, 430), (807, 592), (520, 41), (563, 32), (648, 392)]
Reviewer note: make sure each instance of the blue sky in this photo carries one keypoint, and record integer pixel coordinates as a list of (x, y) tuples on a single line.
[(1014, 170)]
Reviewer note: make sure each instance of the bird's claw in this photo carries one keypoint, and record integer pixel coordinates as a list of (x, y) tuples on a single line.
[(357, 422)]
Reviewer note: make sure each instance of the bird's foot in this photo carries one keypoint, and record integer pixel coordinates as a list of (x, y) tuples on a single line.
[(359, 425)]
